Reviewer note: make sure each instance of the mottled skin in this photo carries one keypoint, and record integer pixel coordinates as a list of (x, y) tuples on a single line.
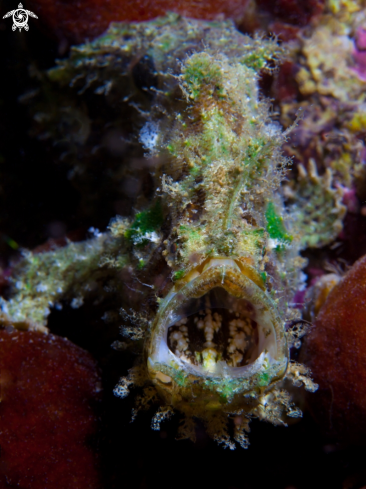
[(216, 219)]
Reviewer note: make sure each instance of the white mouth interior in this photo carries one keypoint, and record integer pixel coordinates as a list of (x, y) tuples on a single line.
[(218, 334)]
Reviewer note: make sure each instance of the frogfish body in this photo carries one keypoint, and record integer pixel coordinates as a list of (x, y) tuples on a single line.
[(215, 346)]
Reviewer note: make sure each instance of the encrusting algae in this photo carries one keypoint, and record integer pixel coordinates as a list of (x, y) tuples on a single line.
[(216, 230)]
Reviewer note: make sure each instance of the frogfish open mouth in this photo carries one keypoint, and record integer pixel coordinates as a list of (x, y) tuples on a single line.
[(220, 327)]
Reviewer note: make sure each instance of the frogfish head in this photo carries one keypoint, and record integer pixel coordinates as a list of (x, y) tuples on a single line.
[(218, 341)]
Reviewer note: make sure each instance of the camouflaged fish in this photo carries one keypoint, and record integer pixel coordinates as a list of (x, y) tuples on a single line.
[(217, 226)]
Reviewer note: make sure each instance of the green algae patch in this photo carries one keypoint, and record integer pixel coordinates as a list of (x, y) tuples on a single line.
[(199, 72), (263, 276), (180, 378), (145, 222), (172, 149), (275, 226), (178, 275), (141, 264), (263, 380), (255, 61)]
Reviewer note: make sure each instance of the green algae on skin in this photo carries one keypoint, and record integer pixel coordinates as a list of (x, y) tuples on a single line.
[(43, 280), (215, 343)]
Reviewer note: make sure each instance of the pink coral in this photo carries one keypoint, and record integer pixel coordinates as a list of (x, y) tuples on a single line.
[(47, 386), (335, 352), (359, 54)]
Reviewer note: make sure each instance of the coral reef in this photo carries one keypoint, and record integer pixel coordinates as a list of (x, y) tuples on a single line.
[(50, 389), (327, 66), (292, 12), (286, 19), (212, 240), (90, 19), (334, 349)]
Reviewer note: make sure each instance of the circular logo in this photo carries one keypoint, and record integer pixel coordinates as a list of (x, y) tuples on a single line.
[(20, 18)]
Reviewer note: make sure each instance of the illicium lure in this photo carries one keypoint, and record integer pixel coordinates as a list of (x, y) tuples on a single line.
[(216, 345)]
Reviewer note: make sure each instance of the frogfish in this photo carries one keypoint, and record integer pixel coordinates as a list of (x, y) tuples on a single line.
[(223, 219)]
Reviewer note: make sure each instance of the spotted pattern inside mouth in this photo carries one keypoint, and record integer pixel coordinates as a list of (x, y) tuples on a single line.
[(215, 328)]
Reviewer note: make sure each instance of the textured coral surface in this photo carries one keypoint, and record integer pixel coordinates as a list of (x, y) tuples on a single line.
[(292, 11), (335, 352), (91, 18), (47, 421)]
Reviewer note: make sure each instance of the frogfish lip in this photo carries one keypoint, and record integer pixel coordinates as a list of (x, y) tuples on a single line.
[(217, 335)]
